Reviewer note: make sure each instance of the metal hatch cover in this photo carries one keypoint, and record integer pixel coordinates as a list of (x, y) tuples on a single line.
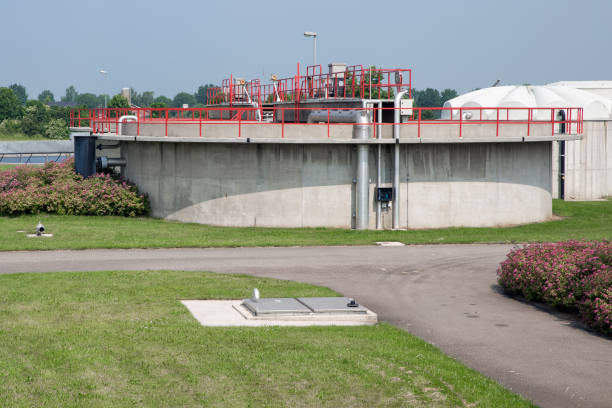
[(275, 306), (331, 305)]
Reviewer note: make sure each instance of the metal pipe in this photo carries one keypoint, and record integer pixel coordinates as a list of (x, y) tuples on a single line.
[(379, 167), (334, 116), (125, 118), (361, 131), (396, 164), (104, 162), (379, 155)]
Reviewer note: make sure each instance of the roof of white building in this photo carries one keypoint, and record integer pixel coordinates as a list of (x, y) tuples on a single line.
[(595, 107), (584, 84), (601, 88)]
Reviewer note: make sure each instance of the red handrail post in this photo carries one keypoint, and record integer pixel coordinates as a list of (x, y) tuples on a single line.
[(529, 111), (328, 123), (497, 124)]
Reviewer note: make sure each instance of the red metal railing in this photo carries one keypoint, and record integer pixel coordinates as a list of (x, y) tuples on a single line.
[(355, 82), (107, 120)]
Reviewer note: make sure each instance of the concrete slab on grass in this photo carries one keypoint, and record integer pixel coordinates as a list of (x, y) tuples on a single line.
[(227, 313), (390, 243)]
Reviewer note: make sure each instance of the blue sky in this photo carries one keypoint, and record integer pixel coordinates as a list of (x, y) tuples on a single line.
[(171, 46)]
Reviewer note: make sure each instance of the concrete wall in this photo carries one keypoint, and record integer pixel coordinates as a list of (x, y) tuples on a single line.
[(432, 131), (588, 163), (310, 185), (476, 185), (36, 146)]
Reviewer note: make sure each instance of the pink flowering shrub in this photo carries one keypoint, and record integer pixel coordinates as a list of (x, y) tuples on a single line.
[(57, 188), (576, 275)]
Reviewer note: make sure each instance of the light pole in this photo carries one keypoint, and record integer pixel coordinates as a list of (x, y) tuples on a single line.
[(314, 45), (105, 75)]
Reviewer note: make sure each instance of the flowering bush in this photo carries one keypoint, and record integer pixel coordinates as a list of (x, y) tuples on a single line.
[(575, 275), (57, 188), (57, 129)]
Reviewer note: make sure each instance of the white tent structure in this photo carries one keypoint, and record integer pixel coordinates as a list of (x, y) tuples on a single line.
[(595, 107), (582, 169), (602, 88)]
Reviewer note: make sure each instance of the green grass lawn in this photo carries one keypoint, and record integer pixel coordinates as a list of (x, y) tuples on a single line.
[(118, 338), (581, 220), (6, 166)]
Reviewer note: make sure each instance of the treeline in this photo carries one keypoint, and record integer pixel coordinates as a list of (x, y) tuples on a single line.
[(20, 116), (46, 117), (145, 99), (432, 98)]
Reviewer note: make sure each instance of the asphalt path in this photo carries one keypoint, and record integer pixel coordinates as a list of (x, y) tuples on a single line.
[(445, 294)]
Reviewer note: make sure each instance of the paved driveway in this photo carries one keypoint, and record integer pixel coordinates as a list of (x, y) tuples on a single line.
[(445, 294)]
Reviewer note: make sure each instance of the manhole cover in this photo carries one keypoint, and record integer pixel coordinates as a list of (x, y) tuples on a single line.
[(331, 305), (275, 306)]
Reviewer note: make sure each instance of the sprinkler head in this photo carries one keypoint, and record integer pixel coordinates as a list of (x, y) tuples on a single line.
[(40, 229)]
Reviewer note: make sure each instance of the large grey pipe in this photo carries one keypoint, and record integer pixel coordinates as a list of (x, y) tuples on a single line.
[(334, 116), (365, 103), (396, 164), (361, 131), (378, 163), (125, 118)]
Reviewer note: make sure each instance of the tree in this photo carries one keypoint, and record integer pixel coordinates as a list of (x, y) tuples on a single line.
[(374, 77), (87, 100), (428, 98), (101, 99), (46, 96), (447, 94), (118, 101), (158, 105), (57, 129), (35, 118), (60, 112), (71, 94), (143, 100), (200, 95), (147, 98), (162, 99), (183, 98), (21, 93), (10, 108)]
